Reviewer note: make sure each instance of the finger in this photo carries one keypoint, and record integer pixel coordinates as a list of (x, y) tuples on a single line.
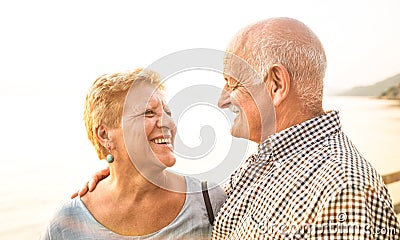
[(92, 183), (100, 175), (83, 190), (103, 173), (74, 195)]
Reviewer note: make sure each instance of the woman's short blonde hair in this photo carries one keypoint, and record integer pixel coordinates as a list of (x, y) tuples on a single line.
[(105, 101)]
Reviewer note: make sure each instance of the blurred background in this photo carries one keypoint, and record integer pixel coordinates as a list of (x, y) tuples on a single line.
[(52, 51)]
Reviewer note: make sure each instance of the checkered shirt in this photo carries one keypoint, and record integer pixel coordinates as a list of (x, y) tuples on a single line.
[(307, 182)]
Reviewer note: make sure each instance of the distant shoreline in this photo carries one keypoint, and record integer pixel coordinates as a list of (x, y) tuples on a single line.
[(386, 89), (392, 93)]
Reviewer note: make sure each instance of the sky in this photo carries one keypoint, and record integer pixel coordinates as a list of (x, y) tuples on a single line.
[(60, 47), (54, 50)]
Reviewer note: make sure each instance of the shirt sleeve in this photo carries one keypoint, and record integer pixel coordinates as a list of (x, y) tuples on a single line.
[(357, 213)]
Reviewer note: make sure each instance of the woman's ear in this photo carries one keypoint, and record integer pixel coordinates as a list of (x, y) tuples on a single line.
[(278, 83), (102, 135)]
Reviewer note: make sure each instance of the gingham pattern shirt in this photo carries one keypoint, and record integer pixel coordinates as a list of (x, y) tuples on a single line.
[(307, 182)]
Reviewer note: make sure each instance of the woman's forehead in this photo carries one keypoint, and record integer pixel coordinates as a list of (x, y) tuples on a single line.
[(156, 98), (144, 97), (144, 92)]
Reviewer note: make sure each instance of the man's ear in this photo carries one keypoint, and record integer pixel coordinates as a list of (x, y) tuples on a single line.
[(102, 135), (278, 83)]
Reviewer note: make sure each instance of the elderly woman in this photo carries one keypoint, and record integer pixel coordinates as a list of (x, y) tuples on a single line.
[(130, 125)]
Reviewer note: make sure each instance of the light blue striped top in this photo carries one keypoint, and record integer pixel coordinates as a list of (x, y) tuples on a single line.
[(74, 221)]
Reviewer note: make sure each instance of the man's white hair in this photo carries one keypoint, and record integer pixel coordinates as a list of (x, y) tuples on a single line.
[(295, 47)]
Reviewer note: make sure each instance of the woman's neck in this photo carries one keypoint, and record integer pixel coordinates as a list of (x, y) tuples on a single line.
[(127, 191), (126, 181)]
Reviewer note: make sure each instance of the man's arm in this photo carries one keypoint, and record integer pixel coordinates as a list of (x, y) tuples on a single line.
[(91, 185)]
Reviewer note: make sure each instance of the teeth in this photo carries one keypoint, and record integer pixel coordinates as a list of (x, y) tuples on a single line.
[(233, 108), (162, 140)]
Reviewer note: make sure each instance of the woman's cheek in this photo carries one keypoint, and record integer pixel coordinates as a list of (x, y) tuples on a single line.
[(149, 126)]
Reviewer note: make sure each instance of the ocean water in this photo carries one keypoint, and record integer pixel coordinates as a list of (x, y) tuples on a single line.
[(373, 125), (45, 154)]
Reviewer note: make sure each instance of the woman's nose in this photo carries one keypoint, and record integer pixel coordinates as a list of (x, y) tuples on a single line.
[(166, 121)]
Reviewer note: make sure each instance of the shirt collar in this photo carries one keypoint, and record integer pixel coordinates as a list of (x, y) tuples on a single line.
[(300, 136)]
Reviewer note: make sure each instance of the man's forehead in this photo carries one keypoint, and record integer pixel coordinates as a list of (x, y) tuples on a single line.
[(234, 64), (230, 71), (242, 75)]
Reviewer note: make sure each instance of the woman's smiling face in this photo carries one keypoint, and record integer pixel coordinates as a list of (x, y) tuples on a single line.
[(147, 124)]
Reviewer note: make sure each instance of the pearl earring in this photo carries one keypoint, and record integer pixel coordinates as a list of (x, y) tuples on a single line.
[(110, 157)]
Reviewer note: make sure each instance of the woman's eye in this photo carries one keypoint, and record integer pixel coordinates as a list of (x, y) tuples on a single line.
[(169, 113)]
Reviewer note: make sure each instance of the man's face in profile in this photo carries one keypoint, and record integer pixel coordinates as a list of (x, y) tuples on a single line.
[(249, 99)]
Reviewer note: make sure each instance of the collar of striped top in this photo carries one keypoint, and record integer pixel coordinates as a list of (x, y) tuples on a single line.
[(299, 137)]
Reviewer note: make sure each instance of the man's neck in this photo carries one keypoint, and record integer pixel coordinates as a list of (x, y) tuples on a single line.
[(286, 118)]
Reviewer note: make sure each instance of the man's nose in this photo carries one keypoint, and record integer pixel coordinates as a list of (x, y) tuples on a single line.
[(224, 99)]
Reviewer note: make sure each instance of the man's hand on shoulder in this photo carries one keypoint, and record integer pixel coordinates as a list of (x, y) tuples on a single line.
[(92, 183)]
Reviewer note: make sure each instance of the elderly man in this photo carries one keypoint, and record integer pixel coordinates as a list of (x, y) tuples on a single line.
[(307, 180)]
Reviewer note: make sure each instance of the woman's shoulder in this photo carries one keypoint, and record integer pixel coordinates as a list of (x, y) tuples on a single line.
[(70, 208), (70, 211), (68, 216)]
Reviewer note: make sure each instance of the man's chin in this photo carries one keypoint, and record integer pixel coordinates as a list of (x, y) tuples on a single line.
[(239, 133)]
